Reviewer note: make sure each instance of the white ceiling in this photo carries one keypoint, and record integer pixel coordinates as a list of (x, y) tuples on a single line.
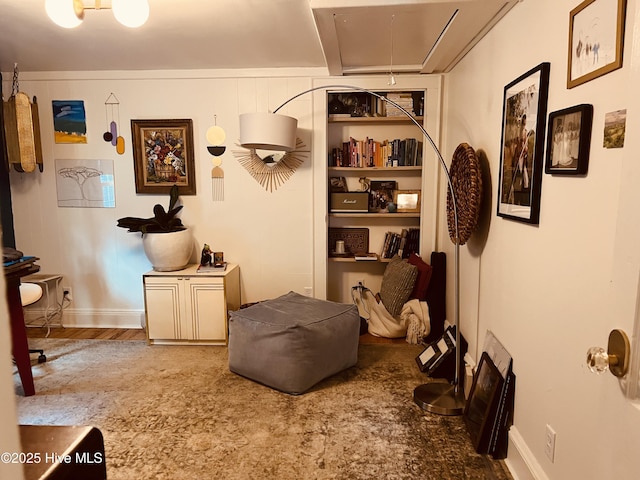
[(339, 36)]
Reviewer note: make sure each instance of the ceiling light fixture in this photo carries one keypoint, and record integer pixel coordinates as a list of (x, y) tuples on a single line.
[(70, 13), (392, 78)]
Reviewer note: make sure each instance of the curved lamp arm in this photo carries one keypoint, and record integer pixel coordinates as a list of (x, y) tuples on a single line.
[(262, 124)]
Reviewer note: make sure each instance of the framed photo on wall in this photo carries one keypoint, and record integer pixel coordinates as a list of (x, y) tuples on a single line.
[(524, 117), (163, 156), (596, 39), (569, 140)]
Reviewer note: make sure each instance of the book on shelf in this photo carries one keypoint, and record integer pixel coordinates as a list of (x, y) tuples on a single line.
[(402, 243), (366, 257), (212, 268), (370, 153)]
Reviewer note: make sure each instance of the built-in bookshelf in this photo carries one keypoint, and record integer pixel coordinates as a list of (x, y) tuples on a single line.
[(372, 147), (362, 118)]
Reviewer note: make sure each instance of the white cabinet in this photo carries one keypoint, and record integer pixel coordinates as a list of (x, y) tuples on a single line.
[(189, 307)]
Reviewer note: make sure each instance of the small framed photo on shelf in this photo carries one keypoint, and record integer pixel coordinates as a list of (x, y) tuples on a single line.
[(407, 200), (380, 195), (482, 405), (569, 140), (338, 185)]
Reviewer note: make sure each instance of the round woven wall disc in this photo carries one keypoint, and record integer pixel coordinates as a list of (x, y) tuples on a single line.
[(466, 178), (216, 135)]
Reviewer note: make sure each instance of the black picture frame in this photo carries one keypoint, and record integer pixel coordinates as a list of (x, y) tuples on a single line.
[(524, 117), (482, 405), (569, 140)]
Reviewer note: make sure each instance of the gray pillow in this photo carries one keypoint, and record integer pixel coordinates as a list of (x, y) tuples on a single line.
[(397, 284)]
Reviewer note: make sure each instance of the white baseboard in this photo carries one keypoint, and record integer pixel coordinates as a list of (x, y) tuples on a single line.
[(88, 318), (520, 461)]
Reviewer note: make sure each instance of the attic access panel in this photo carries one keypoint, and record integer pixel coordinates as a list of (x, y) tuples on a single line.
[(366, 37), (429, 36)]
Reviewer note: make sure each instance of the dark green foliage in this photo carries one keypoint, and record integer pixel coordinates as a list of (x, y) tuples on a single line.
[(162, 221)]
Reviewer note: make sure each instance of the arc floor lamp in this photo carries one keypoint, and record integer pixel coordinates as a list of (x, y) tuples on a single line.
[(273, 131)]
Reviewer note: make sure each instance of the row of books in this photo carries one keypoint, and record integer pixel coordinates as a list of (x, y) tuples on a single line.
[(404, 243), (404, 99), (372, 153)]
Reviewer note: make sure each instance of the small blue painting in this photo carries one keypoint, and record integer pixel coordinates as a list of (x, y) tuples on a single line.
[(69, 121)]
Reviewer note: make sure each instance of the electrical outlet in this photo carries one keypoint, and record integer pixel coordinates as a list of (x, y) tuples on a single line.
[(67, 293), (361, 282), (550, 443), (308, 291)]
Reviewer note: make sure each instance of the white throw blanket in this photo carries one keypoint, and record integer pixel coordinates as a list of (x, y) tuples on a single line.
[(415, 314), (413, 322), (381, 322)]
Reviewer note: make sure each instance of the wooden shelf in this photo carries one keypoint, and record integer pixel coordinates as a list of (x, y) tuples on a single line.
[(414, 169), (376, 215), (400, 119), (353, 260)]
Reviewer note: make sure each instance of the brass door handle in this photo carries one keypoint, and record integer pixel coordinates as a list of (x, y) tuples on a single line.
[(615, 359)]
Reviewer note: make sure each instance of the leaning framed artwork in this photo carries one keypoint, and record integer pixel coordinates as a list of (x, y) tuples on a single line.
[(569, 140), (596, 39), (524, 117), (163, 156), (482, 405)]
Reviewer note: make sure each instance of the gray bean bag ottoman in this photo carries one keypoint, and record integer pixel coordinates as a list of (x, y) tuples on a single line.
[(292, 342)]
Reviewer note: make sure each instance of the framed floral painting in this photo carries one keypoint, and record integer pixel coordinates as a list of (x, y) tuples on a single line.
[(163, 156)]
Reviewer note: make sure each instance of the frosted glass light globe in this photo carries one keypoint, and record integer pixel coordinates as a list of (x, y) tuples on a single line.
[(130, 13), (65, 13)]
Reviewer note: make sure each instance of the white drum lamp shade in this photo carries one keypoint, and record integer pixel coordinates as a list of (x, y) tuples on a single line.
[(268, 131)]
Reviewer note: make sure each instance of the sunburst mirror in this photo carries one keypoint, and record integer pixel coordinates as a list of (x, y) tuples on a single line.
[(272, 169)]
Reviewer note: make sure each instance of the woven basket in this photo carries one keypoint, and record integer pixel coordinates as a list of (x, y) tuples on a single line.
[(165, 171), (466, 178)]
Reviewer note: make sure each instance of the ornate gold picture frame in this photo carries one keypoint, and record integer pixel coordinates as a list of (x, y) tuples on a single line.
[(163, 156)]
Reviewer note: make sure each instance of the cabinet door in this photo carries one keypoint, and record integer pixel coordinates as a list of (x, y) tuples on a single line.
[(207, 309), (162, 301)]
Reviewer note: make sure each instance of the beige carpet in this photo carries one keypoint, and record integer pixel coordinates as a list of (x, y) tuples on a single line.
[(170, 412)]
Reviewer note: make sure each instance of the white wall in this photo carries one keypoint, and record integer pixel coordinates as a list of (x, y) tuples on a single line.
[(268, 234), (549, 292)]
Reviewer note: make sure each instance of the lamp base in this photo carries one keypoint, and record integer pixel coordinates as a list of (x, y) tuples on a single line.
[(440, 398)]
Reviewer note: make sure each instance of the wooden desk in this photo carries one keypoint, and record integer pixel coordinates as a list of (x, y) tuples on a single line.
[(20, 347), (62, 453)]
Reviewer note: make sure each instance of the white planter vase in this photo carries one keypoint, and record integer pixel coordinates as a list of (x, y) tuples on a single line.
[(168, 252)]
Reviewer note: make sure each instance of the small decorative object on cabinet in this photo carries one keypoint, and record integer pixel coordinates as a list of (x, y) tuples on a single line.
[(187, 307)]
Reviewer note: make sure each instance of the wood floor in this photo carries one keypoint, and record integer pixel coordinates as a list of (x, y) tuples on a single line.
[(88, 333), (140, 334)]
